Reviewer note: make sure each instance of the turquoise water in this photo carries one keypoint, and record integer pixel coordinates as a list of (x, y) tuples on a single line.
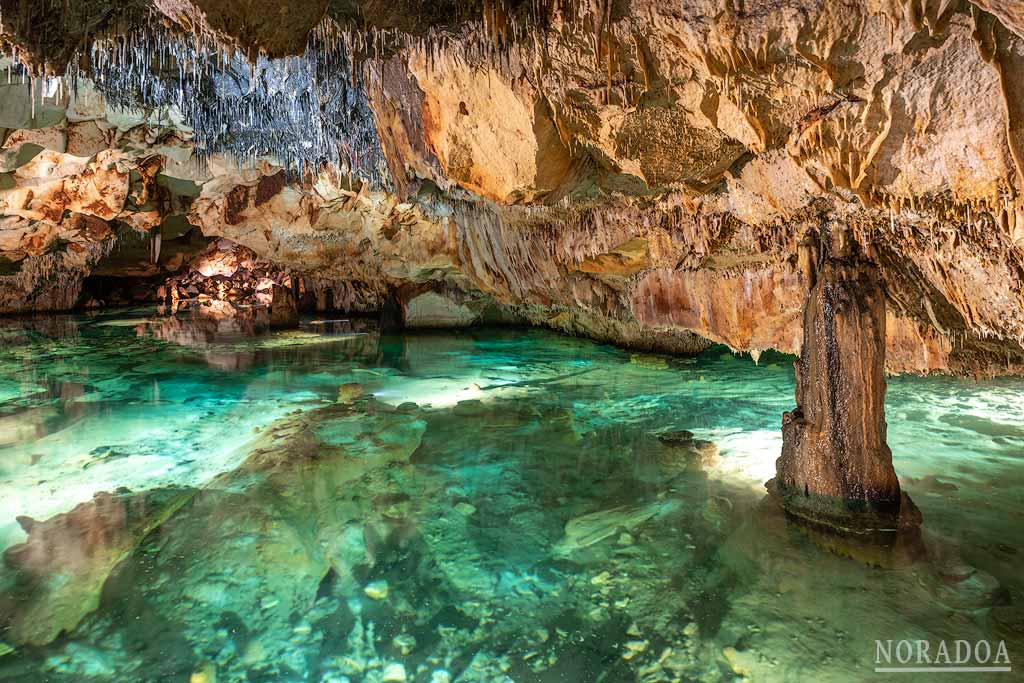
[(182, 501)]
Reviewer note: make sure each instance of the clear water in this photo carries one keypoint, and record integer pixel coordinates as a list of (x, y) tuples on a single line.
[(184, 502)]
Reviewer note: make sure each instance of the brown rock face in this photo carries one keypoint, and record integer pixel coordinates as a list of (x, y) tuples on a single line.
[(635, 172), (1010, 12), (275, 28), (284, 313), (836, 468)]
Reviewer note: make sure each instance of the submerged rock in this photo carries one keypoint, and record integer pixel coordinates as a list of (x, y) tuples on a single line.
[(393, 673), (404, 643), (377, 590), (676, 437), (350, 392), (205, 674), (60, 569), (591, 529), (962, 587), (465, 508), (685, 451), (470, 408)]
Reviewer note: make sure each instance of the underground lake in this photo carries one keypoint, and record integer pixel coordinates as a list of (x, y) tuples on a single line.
[(184, 501), (511, 341)]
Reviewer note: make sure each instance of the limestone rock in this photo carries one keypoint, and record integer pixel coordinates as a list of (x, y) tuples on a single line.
[(685, 451), (377, 590), (284, 314), (434, 310), (393, 673), (350, 392), (643, 178), (61, 568), (278, 29), (836, 467), (590, 529), (1009, 12)]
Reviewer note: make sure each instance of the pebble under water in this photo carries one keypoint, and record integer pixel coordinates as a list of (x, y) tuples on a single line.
[(181, 502)]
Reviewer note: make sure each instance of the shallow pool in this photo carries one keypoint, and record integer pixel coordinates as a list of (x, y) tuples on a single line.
[(183, 501)]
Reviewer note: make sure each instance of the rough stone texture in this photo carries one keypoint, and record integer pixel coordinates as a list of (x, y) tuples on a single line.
[(1010, 12), (433, 310), (47, 33), (638, 172), (284, 314), (836, 466), (274, 28), (60, 570)]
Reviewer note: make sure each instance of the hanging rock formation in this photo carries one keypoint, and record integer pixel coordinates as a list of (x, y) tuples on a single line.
[(639, 172)]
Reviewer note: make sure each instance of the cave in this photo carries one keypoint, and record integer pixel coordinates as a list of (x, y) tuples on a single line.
[(494, 341)]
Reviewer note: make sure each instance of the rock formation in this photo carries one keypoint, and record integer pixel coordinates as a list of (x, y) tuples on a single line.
[(836, 467), (638, 173), (60, 570)]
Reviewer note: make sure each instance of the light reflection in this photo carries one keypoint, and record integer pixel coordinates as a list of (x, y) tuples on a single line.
[(518, 494)]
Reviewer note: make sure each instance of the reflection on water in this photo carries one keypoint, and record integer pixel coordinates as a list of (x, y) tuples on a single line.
[(183, 501)]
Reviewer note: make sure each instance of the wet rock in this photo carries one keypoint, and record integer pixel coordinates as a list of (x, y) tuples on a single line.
[(1009, 620), (206, 674), (685, 451), (404, 643), (60, 569), (676, 437), (377, 590), (283, 312), (470, 408), (836, 467), (634, 648), (588, 530), (742, 663), (393, 673), (350, 392), (961, 587)]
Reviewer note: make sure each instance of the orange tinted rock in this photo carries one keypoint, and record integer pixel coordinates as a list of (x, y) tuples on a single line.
[(836, 467)]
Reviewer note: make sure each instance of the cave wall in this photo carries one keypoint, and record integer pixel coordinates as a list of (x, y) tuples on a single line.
[(638, 172)]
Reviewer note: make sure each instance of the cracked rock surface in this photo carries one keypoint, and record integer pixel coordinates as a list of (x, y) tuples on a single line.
[(634, 171)]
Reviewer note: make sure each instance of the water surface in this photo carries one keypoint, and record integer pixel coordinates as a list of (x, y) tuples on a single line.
[(183, 501)]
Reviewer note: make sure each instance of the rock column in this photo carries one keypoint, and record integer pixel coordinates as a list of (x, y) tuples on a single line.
[(284, 313), (836, 468)]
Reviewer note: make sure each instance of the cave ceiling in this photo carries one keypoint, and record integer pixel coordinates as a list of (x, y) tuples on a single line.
[(622, 169)]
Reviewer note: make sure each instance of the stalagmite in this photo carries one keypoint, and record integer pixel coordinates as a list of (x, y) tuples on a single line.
[(836, 469)]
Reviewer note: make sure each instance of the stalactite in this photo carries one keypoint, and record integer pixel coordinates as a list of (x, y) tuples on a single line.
[(306, 111)]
